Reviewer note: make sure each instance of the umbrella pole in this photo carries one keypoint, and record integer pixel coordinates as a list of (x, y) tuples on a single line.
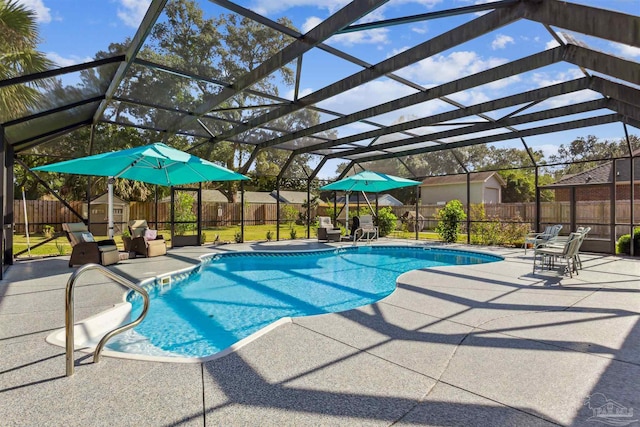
[(347, 213), (110, 198), (26, 222)]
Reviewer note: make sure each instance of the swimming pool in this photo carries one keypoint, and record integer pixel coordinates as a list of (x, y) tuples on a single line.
[(234, 295)]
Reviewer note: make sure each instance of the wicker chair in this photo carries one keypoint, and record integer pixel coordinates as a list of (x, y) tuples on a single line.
[(326, 230), (85, 249), (144, 241)]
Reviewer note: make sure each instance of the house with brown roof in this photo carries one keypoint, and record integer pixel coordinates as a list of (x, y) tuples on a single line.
[(485, 187), (595, 184)]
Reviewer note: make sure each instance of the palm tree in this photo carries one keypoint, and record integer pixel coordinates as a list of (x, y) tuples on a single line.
[(18, 56)]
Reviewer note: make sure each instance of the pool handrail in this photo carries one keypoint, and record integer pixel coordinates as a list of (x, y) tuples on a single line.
[(69, 312)]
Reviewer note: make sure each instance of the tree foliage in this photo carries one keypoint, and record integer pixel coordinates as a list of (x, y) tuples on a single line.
[(18, 56), (219, 48), (449, 218)]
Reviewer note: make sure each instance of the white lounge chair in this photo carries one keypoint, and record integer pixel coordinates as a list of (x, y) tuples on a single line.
[(559, 241), (547, 255), (366, 230), (537, 239)]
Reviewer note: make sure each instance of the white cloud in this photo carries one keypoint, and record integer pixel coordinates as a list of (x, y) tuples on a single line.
[(502, 83), (301, 93), (374, 36), (43, 13), (420, 29), (569, 98), (441, 68), (470, 97), (551, 44), (65, 62), (267, 7), (543, 79), (501, 41), (133, 11), (626, 50), (378, 92)]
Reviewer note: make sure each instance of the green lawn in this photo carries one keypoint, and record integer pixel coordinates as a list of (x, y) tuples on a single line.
[(41, 246)]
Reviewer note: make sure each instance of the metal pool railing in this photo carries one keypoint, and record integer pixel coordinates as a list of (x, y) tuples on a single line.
[(69, 312)]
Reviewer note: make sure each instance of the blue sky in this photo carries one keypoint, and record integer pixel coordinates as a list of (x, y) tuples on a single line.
[(73, 31)]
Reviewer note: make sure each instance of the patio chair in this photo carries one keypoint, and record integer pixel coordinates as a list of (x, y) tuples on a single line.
[(85, 249), (326, 230), (367, 230), (537, 239), (145, 241), (547, 255), (559, 241)]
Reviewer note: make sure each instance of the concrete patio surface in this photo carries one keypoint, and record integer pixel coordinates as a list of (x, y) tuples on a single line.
[(483, 345)]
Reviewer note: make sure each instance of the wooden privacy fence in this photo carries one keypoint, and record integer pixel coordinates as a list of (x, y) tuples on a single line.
[(54, 213)]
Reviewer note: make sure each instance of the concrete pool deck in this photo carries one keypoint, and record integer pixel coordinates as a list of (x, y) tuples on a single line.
[(486, 345)]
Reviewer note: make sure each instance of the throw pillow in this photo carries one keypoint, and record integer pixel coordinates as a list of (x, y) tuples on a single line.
[(87, 237), (150, 234)]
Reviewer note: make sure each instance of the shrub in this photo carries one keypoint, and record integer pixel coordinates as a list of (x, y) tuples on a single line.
[(449, 219), (293, 233), (289, 213), (238, 237), (48, 230), (203, 238), (386, 221), (269, 235), (623, 245), (493, 231)]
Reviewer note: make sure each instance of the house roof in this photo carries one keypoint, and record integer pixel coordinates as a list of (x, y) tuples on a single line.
[(601, 174), (291, 196), (218, 196), (383, 200), (433, 181), (257, 197), (213, 196)]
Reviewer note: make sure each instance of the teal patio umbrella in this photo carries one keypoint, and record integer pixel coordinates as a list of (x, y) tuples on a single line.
[(368, 181), (155, 163)]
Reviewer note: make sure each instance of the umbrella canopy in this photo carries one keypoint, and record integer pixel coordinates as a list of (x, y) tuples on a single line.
[(368, 181), (154, 164)]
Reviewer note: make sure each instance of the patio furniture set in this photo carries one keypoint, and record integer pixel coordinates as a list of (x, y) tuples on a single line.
[(549, 247), (362, 228), (85, 249)]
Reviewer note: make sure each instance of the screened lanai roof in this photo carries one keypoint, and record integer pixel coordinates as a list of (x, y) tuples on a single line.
[(591, 52)]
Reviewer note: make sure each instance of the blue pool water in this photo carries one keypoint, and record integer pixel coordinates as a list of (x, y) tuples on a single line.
[(235, 295)]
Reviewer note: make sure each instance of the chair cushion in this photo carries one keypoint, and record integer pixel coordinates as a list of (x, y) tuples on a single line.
[(76, 226), (150, 234), (107, 248), (87, 237), (138, 227)]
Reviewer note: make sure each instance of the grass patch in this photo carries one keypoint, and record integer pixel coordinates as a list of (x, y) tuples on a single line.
[(59, 245)]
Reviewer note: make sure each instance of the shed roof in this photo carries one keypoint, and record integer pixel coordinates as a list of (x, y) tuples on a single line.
[(461, 179)]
